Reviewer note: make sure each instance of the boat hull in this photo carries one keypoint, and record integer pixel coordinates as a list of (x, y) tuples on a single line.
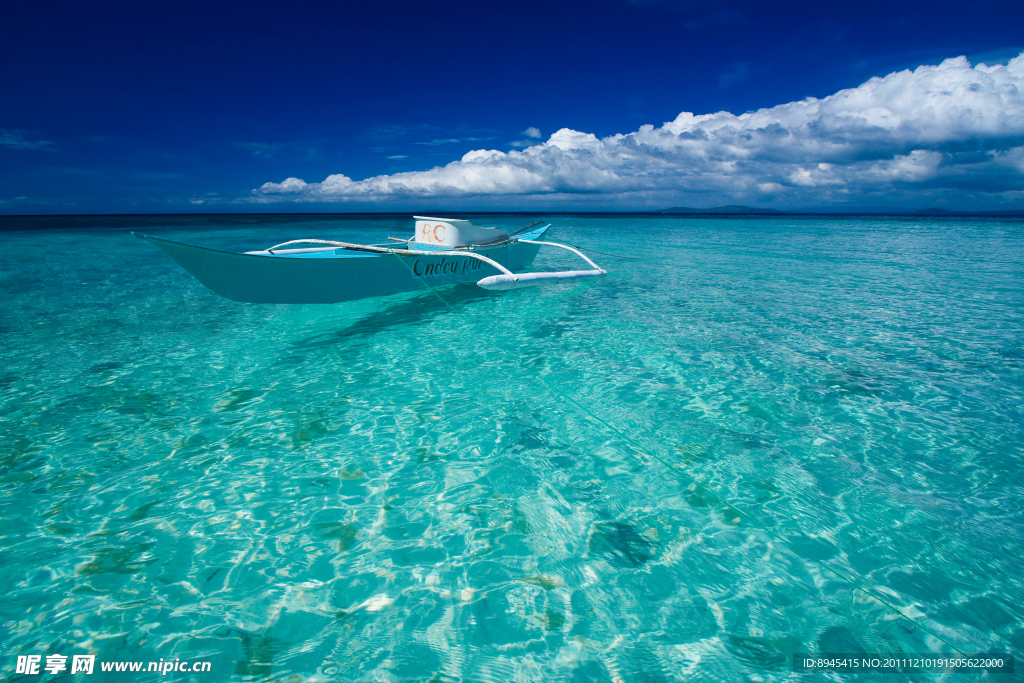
[(336, 276)]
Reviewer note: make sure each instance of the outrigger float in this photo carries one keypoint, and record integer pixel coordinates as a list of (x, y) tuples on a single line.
[(314, 271)]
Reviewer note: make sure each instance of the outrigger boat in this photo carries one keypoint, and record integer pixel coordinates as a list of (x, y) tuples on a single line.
[(314, 271)]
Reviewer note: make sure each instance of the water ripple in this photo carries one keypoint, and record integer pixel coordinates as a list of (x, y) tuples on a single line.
[(389, 489)]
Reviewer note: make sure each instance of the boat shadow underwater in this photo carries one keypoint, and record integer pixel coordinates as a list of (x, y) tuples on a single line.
[(410, 311)]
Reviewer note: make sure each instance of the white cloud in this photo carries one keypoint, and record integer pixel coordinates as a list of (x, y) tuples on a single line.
[(158, 175), (261, 149), (532, 136), (20, 139), (439, 141), (945, 128), (734, 75)]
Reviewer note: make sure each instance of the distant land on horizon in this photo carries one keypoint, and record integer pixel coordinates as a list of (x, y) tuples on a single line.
[(730, 208), (933, 211)]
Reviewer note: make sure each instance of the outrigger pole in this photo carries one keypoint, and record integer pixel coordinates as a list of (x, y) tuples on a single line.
[(508, 280), (527, 279)]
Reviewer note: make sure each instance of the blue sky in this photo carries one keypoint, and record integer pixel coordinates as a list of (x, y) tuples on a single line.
[(212, 106)]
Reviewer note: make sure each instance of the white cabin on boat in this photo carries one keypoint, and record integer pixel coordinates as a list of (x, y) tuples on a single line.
[(452, 232)]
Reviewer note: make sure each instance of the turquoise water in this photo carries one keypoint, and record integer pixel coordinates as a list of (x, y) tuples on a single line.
[(765, 436)]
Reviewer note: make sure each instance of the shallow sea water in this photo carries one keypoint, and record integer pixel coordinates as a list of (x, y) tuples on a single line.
[(765, 436)]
